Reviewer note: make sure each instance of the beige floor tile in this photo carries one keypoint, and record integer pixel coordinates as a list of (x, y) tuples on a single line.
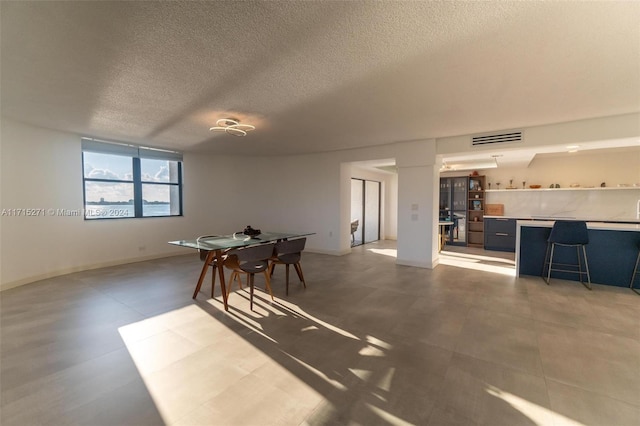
[(367, 342), (500, 338), (160, 350), (573, 405), (492, 394)]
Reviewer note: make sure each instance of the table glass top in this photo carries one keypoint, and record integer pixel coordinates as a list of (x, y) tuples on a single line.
[(236, 240)]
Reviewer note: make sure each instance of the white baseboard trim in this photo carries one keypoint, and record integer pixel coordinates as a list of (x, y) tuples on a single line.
[(80, 268), (425, 265), (329, 252)]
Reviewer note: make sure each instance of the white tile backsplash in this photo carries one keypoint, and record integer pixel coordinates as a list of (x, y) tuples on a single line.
[(595, 204)]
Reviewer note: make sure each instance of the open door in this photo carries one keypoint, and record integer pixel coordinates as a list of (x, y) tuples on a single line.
[(365, 211)]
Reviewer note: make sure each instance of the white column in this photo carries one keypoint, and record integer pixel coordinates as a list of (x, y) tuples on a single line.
[(418, 194)]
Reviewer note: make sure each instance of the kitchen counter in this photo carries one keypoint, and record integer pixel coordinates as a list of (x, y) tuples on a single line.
[(612, 250), (548, 218)]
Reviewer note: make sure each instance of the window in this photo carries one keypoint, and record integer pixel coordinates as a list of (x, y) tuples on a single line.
[(121, 181)]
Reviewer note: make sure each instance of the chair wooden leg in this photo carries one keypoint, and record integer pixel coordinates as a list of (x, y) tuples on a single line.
[(213, 278), (235, 276), (268, 283), (251, 291), (300, 275), (231, 278), (287, 288)]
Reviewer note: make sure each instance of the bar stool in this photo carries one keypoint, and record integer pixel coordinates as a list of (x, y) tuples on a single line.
[(568, 233), (636, 271)]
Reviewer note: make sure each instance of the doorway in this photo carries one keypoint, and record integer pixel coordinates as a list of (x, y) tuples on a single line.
[(365, 211)]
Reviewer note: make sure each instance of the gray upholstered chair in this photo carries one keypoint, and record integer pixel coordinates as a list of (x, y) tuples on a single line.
[(251, 260), (289, 253)]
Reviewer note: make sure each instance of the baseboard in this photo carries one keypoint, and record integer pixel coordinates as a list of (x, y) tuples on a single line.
[(425, 265), (329, 252), (65, 271)]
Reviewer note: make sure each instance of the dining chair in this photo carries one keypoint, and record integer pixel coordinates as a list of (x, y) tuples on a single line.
[(354, 228), (213, 264), (251, 260), (289, 253)]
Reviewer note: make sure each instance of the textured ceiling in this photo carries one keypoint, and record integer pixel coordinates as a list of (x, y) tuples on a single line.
[(314, 76)]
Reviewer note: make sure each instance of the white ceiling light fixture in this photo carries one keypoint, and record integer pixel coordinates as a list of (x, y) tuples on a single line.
[(232, 126)]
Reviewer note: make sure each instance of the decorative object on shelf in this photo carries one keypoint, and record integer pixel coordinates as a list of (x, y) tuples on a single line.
[(603, 185), (498, 185), (489, 185), (232, 126), (535, 186), (474, 173), (554, 185), (523, 183), (574, 185), (494, 209), (475, 212)]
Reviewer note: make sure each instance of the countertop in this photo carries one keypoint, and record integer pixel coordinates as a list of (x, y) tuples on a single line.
[(547, 218), (596, 225)]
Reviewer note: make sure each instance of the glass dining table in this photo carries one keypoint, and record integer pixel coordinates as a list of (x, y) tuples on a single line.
[(215, 246)]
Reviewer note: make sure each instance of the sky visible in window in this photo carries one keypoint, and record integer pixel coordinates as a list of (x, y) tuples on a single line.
[(105, 166)]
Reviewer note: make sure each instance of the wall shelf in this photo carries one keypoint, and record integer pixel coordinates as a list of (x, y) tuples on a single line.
[(609, 188)]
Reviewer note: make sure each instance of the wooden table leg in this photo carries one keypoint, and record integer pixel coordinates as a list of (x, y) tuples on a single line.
[(223, 286), (207, 261)]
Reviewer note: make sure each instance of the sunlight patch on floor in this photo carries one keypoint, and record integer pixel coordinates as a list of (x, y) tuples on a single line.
[(394, 420), (479, 257), (537, 414), (476, 264), (178, 351), (384, 252), (318, 373)]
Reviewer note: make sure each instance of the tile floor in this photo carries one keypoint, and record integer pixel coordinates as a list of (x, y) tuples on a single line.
[(367, 343)]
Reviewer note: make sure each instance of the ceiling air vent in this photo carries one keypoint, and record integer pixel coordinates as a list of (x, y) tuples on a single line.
[(497, 138)]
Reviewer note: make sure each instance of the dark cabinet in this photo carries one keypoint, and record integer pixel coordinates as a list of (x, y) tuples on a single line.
[(500, 234), (453, 208)]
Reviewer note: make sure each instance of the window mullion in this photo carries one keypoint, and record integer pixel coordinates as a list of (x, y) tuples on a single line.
[(137, 187)]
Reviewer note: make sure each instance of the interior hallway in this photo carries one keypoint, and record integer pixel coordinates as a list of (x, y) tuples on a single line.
[(368, 342)]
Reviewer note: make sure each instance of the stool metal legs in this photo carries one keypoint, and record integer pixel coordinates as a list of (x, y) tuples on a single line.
[(549, 264), (635, 272)]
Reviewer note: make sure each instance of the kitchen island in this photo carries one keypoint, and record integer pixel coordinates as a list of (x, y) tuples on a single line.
[(612, 251)]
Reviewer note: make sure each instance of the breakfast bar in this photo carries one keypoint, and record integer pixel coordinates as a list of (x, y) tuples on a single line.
[(612, 250)]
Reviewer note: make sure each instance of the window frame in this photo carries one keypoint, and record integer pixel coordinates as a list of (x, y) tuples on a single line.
[(136, 154)]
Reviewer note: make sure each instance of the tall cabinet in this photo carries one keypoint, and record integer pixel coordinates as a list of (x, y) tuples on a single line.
[(453, 208), (475, 206)]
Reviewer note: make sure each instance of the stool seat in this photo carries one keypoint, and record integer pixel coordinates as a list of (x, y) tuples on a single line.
[(568, 233)]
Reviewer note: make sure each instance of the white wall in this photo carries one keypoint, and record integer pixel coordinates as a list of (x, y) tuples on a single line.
[(574, 132), (389, 199), (586, 168), (41, 168)]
